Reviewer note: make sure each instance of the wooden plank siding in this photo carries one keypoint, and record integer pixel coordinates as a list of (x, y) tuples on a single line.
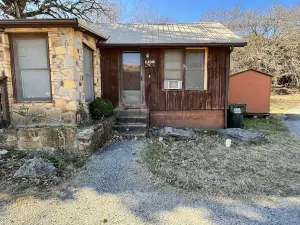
[(110, 73), (155, 97)]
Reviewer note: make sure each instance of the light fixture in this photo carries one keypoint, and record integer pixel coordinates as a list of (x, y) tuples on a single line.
[(147, 55)]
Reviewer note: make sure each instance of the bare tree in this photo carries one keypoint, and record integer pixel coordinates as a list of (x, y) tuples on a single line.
[(142, 12), (273, 40), (84, 9)]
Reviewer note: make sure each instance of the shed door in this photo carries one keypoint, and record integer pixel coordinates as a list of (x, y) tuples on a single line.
[(131, 82)]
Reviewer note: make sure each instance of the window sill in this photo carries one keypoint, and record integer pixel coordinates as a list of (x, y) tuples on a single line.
[(184, 90), (33, 103)]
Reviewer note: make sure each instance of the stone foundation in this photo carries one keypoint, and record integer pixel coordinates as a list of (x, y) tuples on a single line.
[(65, 138)]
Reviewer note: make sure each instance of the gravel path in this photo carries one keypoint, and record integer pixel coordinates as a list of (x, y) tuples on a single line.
[(116, 189), (292, 119)]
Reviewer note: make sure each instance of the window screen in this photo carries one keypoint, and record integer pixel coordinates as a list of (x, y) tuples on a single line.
[(31, 67), (88, 73), (173, 67), (194, 77)]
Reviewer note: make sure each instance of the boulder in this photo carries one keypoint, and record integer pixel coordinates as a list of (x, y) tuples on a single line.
[(36, 168), (250, 135), (177, 133)]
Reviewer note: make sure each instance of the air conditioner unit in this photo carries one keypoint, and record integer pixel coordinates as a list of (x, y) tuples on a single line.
[(173, 84)]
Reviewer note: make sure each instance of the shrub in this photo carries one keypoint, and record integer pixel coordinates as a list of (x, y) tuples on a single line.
[(100, 107)]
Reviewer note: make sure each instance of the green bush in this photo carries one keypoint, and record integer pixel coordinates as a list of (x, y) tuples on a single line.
[(100, 107)]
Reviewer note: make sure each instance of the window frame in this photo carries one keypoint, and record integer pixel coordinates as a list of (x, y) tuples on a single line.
[(205, 52), (183, 52), (93, 77), (15, 66)]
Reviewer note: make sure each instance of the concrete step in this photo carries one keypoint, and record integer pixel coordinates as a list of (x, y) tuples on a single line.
[(132, 119), (127, 127), (133, 134), (130, 112)]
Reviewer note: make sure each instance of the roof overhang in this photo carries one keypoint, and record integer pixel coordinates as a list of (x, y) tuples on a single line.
[(153, 45), (43, 23)]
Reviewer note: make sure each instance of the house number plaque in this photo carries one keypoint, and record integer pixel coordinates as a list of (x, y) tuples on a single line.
[(149, 63)]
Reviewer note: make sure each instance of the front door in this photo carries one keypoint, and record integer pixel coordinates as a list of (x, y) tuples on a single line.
[(131, 79)]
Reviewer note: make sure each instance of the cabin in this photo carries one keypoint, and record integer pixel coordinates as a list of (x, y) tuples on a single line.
[(168, 74), (251, 87), (177, 72)]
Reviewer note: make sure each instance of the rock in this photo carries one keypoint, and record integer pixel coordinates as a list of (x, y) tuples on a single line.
[(250, 135), (3, 152), (86, 134), (36, 168), (177, 133), (48, 150), (160, 139)]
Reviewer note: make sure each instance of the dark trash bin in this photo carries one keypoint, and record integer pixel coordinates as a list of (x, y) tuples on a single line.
[(236, 115)]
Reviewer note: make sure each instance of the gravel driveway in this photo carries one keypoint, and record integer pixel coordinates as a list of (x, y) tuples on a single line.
[(292, 119), (116, 189)]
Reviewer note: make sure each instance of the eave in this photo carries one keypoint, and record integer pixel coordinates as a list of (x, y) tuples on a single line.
[(45, 23)]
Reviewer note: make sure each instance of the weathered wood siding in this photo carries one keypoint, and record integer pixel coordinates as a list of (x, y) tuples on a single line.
[(155, 97), (110, 74)]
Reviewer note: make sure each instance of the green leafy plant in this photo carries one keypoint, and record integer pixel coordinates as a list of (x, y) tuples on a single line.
[(100, 107)]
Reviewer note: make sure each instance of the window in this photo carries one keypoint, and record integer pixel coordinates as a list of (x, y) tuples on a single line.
[(32, 68), (88, 74), (192, 71), (131, 65), (173, 69), (194, 74)]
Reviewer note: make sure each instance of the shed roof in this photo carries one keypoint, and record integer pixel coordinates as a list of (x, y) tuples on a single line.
[(258, 71), (204, 33)]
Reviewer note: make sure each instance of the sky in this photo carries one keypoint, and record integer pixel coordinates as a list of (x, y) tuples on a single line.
[(193, 10)]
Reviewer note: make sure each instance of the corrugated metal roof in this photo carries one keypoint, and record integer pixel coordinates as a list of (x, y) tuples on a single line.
[(181, 33), (92, 29)]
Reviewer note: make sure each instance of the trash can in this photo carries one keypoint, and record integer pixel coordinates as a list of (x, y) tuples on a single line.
[(235, 115)]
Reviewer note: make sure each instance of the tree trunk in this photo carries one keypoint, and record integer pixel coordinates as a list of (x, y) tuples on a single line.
[(17, 9)]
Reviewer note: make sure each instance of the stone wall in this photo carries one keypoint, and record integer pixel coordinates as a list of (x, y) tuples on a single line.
[(63, 138), (68, 105)]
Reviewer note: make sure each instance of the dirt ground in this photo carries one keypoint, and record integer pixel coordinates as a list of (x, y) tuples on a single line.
[(115, 188), (282, 103)]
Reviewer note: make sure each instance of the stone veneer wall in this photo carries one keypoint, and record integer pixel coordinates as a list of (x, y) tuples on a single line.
[(64, 138), (68, 104)]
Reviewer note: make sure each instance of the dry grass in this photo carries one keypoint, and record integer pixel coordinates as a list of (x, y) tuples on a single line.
[(281, 103), (208, 166)]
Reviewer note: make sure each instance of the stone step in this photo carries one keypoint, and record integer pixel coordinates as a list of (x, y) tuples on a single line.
[(133, 134), (130, 112), (127, 127), (132, 119)]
